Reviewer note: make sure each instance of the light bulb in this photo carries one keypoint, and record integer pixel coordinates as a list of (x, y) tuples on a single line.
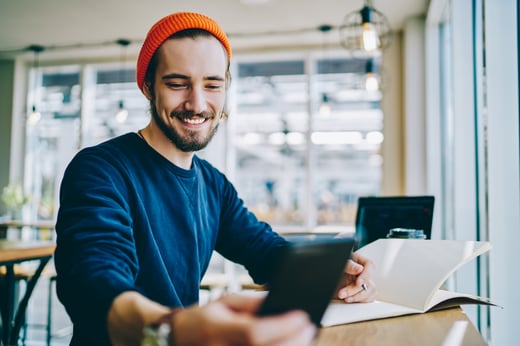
[(371, 82), (122, 113), (369, 37), (325, 109), (34, 117)]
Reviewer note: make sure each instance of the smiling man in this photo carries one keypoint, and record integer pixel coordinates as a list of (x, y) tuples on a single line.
[(187, 98), (141, 214)]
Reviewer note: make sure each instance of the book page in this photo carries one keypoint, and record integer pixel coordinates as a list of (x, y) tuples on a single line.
[(409, 271), (339, 312), (445, 299)]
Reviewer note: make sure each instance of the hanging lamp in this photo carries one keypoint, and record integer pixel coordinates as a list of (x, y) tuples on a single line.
[(34, 116), (325, 108), (122, 112), (371, 78), (365, 30)]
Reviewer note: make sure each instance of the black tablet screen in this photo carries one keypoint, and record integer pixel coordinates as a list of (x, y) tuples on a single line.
[(307, 277)]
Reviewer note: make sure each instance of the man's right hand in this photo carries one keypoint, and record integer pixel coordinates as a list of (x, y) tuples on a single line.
[(231, 320)]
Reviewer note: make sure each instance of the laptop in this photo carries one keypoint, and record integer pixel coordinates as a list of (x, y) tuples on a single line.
[(377, 215)]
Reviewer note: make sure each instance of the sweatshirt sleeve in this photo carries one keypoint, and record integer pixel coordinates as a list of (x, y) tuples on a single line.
[(95, 256), (246, 240)]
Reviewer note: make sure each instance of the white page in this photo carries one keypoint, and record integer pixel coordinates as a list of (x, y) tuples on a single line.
[(339, 312), (342, 313), (409, 271)]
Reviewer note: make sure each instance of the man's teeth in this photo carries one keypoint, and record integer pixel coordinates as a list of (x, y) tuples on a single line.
[(194, 121)]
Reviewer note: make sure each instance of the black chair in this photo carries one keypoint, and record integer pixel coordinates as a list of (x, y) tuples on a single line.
[(22, 276), (50, 333)]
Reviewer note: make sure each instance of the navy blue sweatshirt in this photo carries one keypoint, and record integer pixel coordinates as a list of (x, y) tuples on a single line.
[(129, 219)]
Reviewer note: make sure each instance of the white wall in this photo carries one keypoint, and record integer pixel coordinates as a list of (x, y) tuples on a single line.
[(392, 106), (414, 131)]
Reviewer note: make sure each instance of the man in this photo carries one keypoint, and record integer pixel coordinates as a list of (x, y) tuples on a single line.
[(140, 215)]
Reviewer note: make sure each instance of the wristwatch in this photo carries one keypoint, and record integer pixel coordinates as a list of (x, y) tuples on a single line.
[(160, 332), (157, 335)]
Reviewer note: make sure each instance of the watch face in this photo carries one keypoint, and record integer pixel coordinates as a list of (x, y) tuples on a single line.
[(156, 336)]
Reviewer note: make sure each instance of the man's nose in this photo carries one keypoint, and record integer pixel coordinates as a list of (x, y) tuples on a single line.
[(196, 101)]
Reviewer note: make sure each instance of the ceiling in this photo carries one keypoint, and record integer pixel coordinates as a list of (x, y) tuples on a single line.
[(61, 25)]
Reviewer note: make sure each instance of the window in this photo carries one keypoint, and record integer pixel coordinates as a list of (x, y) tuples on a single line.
[(296, 164), (306, 144), (119, 106), (51, 142)]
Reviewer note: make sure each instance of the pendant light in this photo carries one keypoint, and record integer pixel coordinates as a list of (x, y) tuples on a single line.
[(369, 37), (34, 116), (325, 108), (122, 112), (371, 77), (365, 30)]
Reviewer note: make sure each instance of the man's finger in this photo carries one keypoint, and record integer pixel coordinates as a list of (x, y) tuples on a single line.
[(241, 302)]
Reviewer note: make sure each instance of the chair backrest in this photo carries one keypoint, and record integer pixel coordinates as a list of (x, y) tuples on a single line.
[(377, 215)]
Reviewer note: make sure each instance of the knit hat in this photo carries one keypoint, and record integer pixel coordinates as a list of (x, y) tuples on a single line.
[(168, 26)]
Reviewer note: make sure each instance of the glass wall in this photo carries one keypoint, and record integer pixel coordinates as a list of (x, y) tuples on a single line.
[(346, 139), (270, 139), (75, 106), (307, 139), (52, 134), (477, 88), (305, 133), (119, 106)]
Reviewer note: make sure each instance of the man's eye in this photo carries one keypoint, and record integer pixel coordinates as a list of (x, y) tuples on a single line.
[(176, 85), (214, 86)]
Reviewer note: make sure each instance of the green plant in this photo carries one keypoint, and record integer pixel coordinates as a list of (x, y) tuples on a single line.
[(13, 196)]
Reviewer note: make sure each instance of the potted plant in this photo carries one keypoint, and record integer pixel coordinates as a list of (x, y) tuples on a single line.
[(14, 199)]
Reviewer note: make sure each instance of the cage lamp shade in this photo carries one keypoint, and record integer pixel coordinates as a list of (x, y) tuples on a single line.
[(365, 30)]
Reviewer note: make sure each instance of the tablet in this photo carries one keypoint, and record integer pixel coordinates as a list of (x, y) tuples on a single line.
[(307, 277)]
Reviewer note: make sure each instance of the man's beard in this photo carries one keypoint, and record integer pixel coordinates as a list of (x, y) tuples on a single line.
[(190, 142)]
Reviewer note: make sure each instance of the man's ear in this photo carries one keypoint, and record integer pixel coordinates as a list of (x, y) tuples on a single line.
[(146, 90), (223, 117)]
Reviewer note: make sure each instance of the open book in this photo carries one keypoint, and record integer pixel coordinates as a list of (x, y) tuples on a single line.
[(409, 274)]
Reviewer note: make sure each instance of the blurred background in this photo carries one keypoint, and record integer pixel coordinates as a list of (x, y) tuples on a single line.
[(328, 103)]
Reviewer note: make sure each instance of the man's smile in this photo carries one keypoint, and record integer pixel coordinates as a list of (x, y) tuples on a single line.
[(193, 120)]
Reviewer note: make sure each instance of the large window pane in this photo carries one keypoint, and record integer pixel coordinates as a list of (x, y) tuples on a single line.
[(270, 131), (347, 139), (119, 104), (52, 139), (295, 165), (293, 153)]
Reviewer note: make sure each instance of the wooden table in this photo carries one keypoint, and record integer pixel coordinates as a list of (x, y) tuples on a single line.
[(11, 253), (446, 327), (38, 226)]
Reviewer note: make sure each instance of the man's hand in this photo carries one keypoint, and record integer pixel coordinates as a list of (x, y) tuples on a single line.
[(355, 285), (231, 320)]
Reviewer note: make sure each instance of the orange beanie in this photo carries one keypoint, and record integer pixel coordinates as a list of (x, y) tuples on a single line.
[(168, 26)]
